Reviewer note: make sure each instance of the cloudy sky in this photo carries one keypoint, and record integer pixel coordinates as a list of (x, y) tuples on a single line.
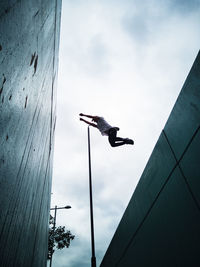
[(125, 60)]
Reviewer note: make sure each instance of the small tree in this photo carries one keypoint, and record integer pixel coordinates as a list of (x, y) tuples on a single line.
[(58, 238)]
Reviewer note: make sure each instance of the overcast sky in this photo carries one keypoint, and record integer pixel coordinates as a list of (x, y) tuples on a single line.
[(125, 60)]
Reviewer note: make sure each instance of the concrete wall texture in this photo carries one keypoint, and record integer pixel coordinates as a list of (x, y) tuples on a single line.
[(29, 41), (161, 224)]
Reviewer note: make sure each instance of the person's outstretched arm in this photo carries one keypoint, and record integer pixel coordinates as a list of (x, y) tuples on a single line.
[(88, 122), (88, 116)]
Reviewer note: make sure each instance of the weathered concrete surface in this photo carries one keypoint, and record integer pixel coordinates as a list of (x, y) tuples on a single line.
[(160, 226), (29, 41)]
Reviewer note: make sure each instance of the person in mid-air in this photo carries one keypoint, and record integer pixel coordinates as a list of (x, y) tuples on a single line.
[(107, 129)]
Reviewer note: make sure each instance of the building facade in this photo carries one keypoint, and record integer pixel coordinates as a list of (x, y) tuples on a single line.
[(29, 42), (160, 226)]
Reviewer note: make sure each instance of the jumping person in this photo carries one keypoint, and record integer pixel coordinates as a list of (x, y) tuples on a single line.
[(107, 129)]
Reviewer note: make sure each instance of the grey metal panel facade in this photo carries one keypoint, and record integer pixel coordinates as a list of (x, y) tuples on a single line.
[(160, 226), (29, 42)]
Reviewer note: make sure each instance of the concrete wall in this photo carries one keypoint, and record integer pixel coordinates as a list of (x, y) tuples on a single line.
[(161, 225), (29, 41)]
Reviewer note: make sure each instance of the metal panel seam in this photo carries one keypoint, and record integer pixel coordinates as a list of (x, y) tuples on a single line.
[(178, 161)]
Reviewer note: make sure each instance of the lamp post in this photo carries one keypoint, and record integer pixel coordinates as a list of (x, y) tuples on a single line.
[(54, 226), (93, 258)]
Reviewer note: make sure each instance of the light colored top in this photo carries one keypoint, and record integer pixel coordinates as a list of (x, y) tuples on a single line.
[(103, 126)]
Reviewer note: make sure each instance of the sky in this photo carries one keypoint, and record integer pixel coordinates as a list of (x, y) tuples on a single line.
[(125, 60)]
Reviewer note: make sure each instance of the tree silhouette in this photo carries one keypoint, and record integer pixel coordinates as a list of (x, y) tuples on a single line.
[(58, 238)]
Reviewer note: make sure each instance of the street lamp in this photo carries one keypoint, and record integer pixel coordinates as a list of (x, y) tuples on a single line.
[(56, 208), (54, 226)]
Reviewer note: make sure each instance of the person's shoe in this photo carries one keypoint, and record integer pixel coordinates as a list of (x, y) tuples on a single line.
[(129, 141)]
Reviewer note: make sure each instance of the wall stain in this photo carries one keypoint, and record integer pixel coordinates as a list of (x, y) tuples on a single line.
[(36, 13), (7, 10), (10, 97), (4, 79), (26, 101), (6, 137), (0, 47), (1, 89), (32, 59), (35, 64)]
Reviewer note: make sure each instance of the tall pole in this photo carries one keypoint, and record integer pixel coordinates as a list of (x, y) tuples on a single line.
[(54, 227), (93, 258)]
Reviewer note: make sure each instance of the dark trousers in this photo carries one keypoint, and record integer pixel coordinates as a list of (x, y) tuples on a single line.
[(113, 139)]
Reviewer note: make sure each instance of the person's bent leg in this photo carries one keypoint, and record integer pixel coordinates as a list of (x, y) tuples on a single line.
[(112, 138), (118, 141)]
